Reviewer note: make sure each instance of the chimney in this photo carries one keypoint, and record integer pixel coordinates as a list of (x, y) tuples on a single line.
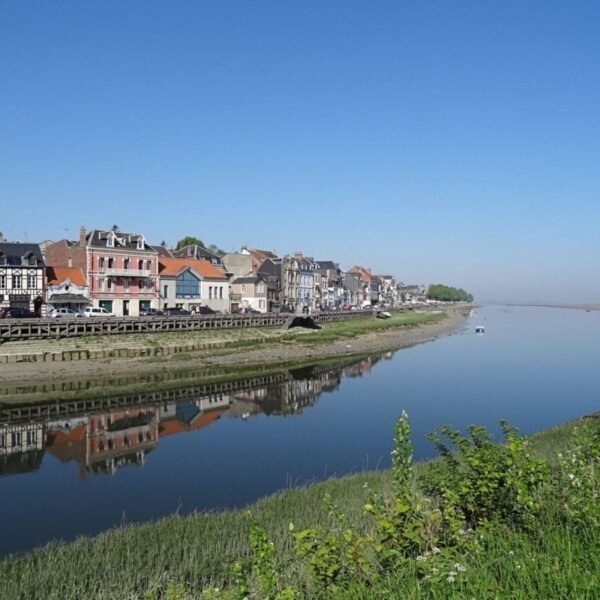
[(82, 236)]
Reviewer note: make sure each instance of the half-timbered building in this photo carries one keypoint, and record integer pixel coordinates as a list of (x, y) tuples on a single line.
[(22, 276)]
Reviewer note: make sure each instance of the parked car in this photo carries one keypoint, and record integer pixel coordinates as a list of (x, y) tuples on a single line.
[(95, 311), (151, 312), (206, 310), (16, 313), (61, 313), (176, 312)]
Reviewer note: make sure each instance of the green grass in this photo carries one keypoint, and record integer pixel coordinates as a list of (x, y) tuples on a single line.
[(556, 560), (333, 332)]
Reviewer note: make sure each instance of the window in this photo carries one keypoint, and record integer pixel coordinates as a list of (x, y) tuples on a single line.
[(221, 292), (32, 260), (141, 284), (149, 264), (109, 284), (140, 264), (3, 281), (165, 291), (110, 241), (187, 285), (31, 437), (16, 282), (2, 440), (31, 281), (15, 438), (260, 288), (101, 283), (243, 288), (126, 284), (126, 263), (101, 262), (210, 292), (3, 260), (111, 263)]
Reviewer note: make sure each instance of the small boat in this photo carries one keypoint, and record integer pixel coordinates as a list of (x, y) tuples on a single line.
[(480, 329)]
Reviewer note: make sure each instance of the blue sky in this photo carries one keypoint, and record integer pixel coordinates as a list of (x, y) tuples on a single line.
[(440, 141)]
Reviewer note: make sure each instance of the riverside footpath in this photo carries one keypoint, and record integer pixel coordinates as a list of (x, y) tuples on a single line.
[(108, 355)]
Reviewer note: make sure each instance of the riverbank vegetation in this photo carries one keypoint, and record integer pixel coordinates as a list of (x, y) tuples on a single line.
[(445, 293), (519, 520)]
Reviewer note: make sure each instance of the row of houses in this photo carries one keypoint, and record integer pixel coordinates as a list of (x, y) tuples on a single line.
[(125, 274)]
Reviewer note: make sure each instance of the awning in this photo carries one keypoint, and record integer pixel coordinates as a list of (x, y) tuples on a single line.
[(68, 299)]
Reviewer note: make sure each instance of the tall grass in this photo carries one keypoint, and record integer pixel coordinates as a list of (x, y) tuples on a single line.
[(558, 558)]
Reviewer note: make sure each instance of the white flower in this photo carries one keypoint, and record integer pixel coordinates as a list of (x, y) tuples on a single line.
[(460, 567), (452, 573), (435, 550), (511, 552), (571, 476), (450, 579)]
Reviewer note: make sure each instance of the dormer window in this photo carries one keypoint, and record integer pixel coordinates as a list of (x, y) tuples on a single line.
[(3, 260), (29, 259), (110, 240), (140, 242)]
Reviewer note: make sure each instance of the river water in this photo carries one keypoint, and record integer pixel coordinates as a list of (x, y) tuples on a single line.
[(83, 471)]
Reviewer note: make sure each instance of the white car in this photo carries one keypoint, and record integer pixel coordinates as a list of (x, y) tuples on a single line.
[(61, 313), (96, 311)]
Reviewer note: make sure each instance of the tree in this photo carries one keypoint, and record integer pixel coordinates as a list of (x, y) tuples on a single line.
[(189, 240), (446, 293)]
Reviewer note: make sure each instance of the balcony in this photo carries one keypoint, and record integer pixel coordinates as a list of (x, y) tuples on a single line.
[(128, 272)]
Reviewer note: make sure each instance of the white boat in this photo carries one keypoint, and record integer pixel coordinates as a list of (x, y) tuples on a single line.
[(480, 329)]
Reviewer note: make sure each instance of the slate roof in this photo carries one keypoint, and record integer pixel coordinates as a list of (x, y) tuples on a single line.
[(323, 265), (171, 267), (14, 253), (163, 252), (270, 269), (196, 251), (254, 279), (97, 239)]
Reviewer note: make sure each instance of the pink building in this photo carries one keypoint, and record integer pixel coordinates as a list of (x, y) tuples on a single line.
[(121, 269)]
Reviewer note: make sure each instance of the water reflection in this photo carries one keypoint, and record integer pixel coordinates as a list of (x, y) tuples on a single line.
[(105, 435)]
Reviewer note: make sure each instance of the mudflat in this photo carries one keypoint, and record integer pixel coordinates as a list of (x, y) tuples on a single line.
[(275, 350)]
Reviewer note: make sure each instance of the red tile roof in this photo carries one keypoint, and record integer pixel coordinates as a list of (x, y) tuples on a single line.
[(56, 275), (365, 274), (171, 267)]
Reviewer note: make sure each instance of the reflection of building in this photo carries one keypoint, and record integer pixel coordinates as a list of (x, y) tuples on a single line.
[(103, 443), (302, 390), (110, 435), (179, 417), (21, 448), (120, 438)]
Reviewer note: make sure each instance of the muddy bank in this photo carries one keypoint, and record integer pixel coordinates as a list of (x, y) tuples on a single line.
[(274, 352)]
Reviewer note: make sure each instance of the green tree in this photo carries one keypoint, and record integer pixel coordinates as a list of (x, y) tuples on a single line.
[(446, 293), (189, 240)]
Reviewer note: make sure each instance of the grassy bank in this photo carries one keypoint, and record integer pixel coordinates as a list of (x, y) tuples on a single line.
[(520, 521)]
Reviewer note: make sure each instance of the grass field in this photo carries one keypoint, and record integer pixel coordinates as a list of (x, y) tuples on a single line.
[(180, 557)]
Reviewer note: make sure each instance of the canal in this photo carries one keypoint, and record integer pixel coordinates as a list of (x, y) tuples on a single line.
[(75, 473)]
